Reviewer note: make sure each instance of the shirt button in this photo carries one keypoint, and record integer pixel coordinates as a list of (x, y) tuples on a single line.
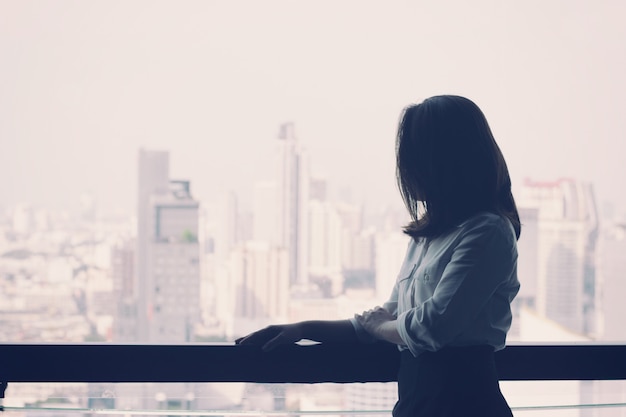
[(426, 277)]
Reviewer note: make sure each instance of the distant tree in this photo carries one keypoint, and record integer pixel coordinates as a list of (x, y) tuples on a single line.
[(189, 236)]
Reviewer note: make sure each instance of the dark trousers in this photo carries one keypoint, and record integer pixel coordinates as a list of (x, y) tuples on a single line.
[(452, 382)]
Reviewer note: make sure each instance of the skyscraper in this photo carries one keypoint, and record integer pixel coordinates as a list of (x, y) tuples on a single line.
[(527, 267), (265, 213), (567, 230), (153, 178), (325, 242), (259, 273), (168, 273), (163, 304), (123, 258), (613, 264), (293, 196)]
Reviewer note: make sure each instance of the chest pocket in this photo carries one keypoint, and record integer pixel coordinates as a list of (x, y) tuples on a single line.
[(406, 273), (427, 276), (421, 287), (430, 273), (426, 279)]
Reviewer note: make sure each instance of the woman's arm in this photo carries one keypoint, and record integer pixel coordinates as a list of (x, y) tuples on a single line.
[(337, 331), (381, 324)]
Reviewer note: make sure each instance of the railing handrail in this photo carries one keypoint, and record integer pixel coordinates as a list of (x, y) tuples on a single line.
[(341, 363)]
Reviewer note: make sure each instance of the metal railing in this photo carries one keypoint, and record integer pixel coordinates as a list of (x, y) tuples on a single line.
[(341, 363), (319, 363)]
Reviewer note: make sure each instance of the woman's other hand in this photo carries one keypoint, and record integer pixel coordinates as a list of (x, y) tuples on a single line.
[(381, 324), (272, 336)]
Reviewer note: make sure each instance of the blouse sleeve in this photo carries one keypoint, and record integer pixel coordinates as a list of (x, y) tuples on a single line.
[(391, 305), (484, 260)]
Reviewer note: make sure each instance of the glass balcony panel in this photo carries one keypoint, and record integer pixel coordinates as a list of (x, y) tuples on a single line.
[(527, 399)]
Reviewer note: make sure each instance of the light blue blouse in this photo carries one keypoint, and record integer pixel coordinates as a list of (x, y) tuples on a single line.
[(456, 289)]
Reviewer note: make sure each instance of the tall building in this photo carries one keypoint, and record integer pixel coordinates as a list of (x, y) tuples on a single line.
[(293, 196), (325, 241), (168, 272), (265, 212), (163, 304), (527, 267), (318, 189), (223, 221), (612, 264), (153, 178), (123, 276), (259, 274), (351, 217), (566, 235)]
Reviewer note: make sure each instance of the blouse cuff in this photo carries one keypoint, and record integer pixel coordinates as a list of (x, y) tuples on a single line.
[(361, 334), (403, 325)]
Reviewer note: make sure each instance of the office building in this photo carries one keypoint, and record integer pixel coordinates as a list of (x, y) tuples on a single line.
[(293, 196), (567, 229), (259, 283), (168, 272), (325, 244)]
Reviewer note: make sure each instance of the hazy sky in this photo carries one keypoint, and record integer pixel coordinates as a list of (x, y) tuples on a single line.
[(85, 84)]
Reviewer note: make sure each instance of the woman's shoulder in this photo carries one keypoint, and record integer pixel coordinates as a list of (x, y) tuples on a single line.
[(488, 222)]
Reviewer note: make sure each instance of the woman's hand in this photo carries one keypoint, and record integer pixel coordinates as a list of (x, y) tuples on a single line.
[(381, 324), (272, 336)]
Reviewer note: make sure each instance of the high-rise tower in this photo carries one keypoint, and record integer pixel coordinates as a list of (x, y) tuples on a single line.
[(168, 275), (293, 196), (567, 231)]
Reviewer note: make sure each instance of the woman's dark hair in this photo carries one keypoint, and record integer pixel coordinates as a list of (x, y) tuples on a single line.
[(448, 159)]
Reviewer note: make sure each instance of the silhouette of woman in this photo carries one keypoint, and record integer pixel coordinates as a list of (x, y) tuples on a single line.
[(449, 310)]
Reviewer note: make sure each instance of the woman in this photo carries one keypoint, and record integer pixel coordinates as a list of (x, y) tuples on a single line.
[(449, 310)]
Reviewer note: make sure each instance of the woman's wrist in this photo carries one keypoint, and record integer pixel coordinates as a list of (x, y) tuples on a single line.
[(388, 331)]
